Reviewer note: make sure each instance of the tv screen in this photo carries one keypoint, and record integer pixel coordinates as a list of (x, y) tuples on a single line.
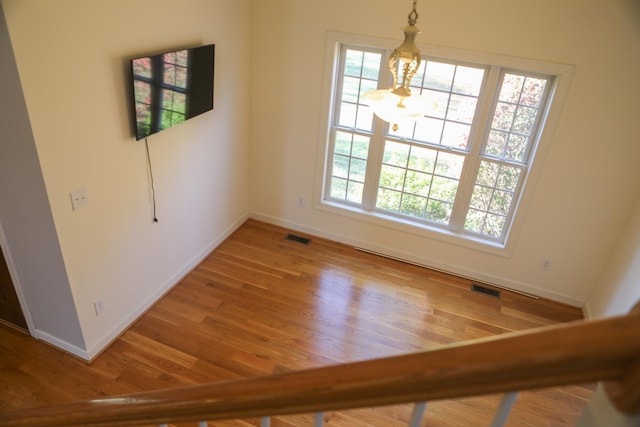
[(171, 87)]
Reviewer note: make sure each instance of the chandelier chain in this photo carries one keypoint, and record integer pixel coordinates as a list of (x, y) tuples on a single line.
[(413, 16)]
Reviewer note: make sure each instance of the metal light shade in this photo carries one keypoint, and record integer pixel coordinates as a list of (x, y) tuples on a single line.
[(397, 109)]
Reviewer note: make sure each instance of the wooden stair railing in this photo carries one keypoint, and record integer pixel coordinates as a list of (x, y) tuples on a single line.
[(579, 352)]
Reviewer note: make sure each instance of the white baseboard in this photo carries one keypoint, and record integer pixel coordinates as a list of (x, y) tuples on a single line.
[(60, 344), (122, 326), (458, 270)]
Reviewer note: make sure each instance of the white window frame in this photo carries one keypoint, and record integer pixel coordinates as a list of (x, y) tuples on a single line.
[(494, 64)]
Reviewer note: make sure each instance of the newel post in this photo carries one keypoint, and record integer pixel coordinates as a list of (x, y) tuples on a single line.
[(625, 393)]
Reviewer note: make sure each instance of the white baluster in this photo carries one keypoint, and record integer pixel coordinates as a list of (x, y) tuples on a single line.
[(163, 425), (203, 424), (318, 420), (504, 409), (265, 422), (417, 414)]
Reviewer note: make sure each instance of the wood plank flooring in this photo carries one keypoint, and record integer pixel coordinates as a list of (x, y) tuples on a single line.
[(261, 304)]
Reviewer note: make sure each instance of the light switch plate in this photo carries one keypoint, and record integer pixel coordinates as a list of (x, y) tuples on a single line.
[(79, 198)]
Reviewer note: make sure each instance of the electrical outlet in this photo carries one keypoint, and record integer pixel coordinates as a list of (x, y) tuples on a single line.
[(546, 264), (79, 198), (301, 201), (98, 306)]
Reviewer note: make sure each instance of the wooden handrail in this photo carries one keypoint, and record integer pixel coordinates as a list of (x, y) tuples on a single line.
[(572, 353)]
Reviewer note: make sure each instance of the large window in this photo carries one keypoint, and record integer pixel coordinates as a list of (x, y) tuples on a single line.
[(461, 168)]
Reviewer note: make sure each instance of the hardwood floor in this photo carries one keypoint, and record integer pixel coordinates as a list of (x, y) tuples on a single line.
[(261, 304)]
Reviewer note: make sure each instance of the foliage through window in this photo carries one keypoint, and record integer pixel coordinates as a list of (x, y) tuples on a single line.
[(460, 168)]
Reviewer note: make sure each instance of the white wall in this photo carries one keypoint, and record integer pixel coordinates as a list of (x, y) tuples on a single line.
[(71, 56), (618, 288), (589, 180), (616, 292), (27, 234)]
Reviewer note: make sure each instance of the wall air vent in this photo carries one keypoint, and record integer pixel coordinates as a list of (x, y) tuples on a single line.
[(484, 290), (298, 239)]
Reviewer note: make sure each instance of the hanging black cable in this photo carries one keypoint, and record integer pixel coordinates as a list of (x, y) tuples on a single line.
[(153, 190)]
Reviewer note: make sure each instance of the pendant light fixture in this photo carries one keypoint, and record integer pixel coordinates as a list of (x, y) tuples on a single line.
[(397, 104)]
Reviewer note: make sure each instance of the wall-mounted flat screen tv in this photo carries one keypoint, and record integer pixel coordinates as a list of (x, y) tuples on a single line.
[(171, 87)]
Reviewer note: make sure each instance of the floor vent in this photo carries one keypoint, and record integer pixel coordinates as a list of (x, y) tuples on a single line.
[(484, 290), (298, 239), (474, 287)]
